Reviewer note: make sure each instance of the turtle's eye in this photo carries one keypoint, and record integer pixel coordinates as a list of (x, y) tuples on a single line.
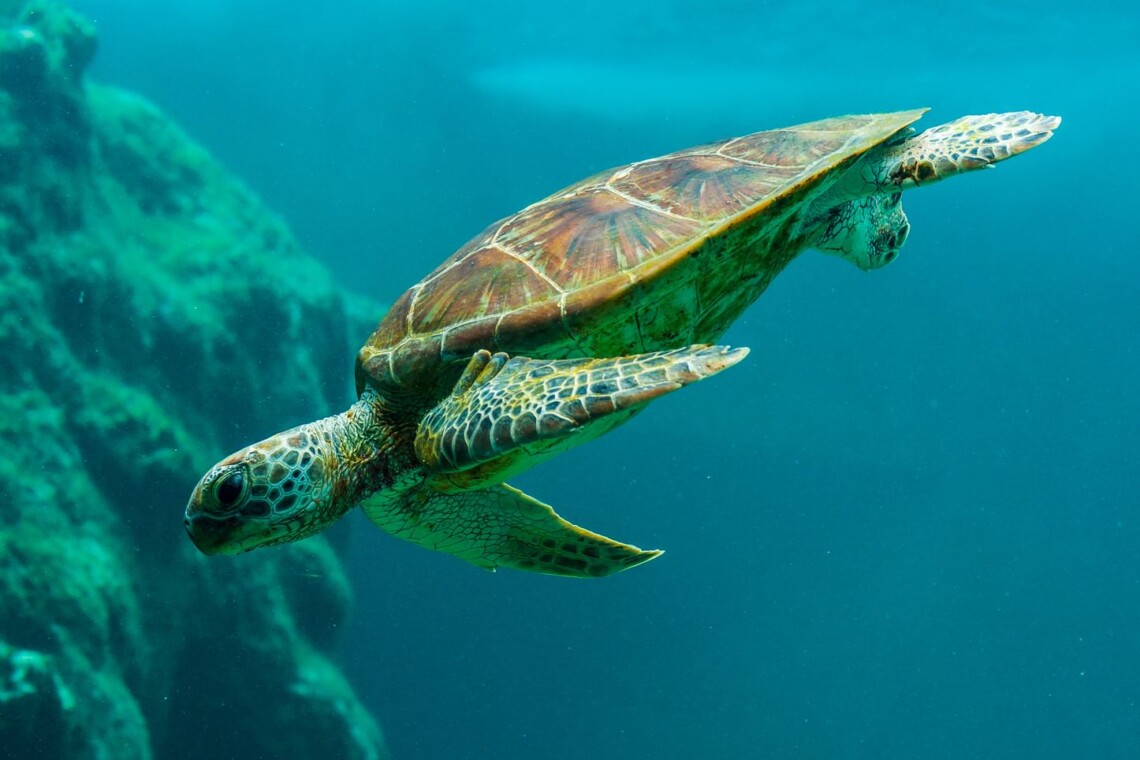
[(230, 489)]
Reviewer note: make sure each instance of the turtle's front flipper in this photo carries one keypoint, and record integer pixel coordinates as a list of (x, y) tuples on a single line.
[(971, 142), (860, 217), (496, 527), (505, 415), (962, 145)]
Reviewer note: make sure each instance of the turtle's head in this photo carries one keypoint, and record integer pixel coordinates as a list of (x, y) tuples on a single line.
[(279, 490), (867, 231)]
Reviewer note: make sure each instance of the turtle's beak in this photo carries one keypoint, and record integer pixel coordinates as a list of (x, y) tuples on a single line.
[(209, 535), (213, 526), (212, 535)]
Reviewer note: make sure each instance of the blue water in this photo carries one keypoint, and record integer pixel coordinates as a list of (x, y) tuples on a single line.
[(905, 527)]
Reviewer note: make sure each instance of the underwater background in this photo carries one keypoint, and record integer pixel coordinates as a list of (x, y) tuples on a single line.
[(906, 526)]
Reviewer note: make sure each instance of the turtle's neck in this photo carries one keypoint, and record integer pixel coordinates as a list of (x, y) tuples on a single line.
[(367, 450)]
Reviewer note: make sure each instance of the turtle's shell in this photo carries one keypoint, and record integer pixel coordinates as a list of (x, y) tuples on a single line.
[(654, 255)]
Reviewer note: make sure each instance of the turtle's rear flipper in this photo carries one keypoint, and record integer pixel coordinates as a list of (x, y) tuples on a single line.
[(506, 415), (496, 527)]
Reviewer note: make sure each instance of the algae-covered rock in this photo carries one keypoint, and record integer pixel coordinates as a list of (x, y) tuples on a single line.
[(153, 315)]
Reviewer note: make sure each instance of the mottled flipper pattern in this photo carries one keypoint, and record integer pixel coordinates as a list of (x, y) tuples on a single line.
[(860, 217), (497, 527), (500, 405), (962, 145), (965, 144)]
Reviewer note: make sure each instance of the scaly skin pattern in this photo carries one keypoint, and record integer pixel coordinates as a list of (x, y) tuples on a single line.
[(507, 414), (610, 275), (293, 484), (868, 231), (962, 145), (497, 527), (972, 142)]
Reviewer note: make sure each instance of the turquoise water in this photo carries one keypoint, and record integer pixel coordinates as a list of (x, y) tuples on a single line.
[(905, 527)]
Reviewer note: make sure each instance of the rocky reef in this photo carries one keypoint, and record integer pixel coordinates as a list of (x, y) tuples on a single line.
[(153, 315)]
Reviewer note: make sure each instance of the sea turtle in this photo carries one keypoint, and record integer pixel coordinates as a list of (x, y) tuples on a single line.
[(555, 325)]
